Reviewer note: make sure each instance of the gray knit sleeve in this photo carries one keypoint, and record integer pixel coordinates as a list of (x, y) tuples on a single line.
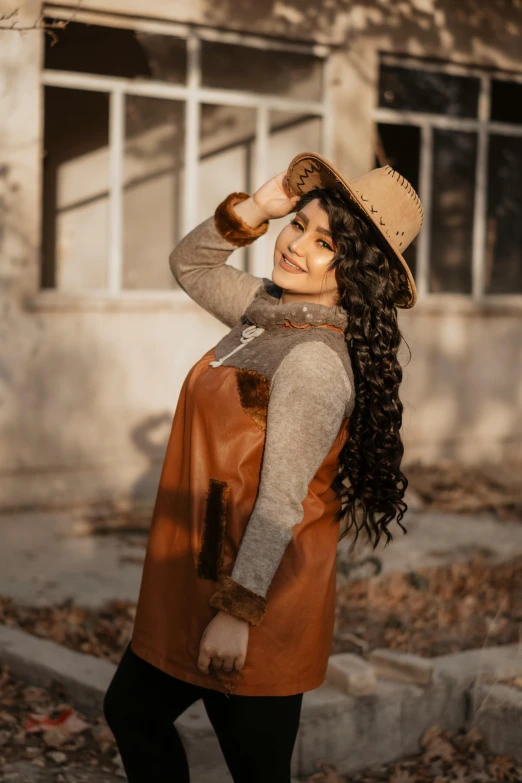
[(198, 264), (310, 393)]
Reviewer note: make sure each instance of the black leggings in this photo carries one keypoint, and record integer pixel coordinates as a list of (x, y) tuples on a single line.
[(256, 734)]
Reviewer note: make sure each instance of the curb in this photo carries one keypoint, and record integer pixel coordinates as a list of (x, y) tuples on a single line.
[(345, 721), (41, 661)]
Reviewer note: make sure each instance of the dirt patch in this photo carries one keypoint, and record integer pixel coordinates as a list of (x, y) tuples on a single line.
[(42, 737), (432, 611), (103, 632), (462, 757), (452, 487), (88, 754)]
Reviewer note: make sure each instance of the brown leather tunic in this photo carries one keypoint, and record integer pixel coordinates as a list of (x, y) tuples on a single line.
[(206, 494)]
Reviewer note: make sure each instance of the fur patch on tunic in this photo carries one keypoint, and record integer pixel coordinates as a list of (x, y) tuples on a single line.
[(231, 226), (210, 558), (254, 393), (238, 600), (267, 311)]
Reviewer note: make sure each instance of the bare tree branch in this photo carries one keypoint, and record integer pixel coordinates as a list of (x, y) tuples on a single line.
[(10, 21)]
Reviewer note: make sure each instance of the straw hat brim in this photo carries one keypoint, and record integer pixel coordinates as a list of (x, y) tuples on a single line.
[(330, 177)]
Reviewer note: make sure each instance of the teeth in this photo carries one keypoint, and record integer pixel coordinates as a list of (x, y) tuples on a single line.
[(290, 263)]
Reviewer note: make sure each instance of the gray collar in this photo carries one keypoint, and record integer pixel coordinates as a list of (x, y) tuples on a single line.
[(267, 311)]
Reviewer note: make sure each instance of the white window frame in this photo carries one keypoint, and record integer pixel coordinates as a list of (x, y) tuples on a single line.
[(483, 127), (193, 94)]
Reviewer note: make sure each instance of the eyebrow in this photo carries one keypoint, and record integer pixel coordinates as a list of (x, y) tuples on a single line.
[(319, 230)]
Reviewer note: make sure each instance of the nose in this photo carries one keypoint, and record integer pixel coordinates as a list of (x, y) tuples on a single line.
[(295, 245)]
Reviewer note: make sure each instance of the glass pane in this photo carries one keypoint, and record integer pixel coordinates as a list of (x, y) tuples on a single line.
[(504, 227), (153, 187), (506, 101), (75, 192), (265, 71), (453, 193), (399, 146), (114, 51), (226, 149), (426, 91), (290, 133)]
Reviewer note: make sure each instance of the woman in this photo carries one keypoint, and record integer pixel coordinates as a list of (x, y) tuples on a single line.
[(299, 397)]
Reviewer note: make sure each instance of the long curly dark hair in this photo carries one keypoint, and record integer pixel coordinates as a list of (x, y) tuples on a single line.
[(369, 287)]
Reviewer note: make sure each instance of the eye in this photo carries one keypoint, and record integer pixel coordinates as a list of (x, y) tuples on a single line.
[(295, 222), (326, 245)]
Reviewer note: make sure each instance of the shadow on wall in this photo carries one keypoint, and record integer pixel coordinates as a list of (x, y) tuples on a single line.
[(440, 25), (468, 384), (68, 429)]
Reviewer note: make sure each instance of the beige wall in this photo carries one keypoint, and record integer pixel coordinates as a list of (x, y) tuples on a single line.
[(87, 390)]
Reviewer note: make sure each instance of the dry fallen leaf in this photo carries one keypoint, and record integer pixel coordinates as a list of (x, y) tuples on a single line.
[(439, 747), (55, 737), (68, 721), (429, 735), (33, 694), (327, 774), (460, 774), (403, 776), (502, 768)]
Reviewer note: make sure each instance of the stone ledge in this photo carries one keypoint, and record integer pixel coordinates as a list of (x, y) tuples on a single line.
[(497, 713), (43, 662), (398, 666), (351, 731), (351, 674), (469, 666)]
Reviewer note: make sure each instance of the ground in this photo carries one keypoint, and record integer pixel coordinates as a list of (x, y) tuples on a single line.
[(453, 582), (82, 750)]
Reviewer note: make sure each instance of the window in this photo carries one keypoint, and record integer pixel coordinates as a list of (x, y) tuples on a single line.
[(147, 126), (456, 134)]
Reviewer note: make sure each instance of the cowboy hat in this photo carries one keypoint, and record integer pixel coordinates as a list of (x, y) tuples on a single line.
[(385, 197)]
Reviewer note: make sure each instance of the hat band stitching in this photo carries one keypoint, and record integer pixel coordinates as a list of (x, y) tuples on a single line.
[(307, 172), (407, 185), (313, 167)]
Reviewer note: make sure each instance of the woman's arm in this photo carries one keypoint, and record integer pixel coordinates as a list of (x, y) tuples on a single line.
[(310, 394), (198, 261)]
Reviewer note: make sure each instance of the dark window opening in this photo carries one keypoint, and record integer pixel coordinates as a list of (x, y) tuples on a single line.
[(504, 224), (430, 92), (452, 205), (113, 51), (400, 148)]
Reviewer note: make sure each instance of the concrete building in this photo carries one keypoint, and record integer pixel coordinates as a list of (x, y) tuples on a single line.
[(122, 131)]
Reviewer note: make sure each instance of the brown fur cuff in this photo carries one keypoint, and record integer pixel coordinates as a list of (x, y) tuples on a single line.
[(235, 599), (231, 226)]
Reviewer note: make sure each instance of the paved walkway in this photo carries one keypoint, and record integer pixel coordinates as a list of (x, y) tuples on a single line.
[(42, 563), (437, 539)]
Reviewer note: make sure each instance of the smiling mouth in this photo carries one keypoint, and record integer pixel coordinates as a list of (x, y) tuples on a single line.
[(290, 263)]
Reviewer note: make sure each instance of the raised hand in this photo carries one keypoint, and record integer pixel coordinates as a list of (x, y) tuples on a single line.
[(271, 200), (274, 199)]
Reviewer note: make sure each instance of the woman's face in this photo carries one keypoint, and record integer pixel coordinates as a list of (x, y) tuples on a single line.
[(306, 242)]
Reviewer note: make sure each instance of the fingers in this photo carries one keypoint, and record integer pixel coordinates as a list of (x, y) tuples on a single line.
[(226, 663), (203, 660), (285, 187), (282, 179), (208, 658)]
